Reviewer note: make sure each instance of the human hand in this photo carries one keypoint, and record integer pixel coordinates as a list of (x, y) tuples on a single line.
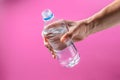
[(77, 31)]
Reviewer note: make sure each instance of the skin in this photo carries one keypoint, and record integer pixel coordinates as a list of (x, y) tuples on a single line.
[(78, 30)]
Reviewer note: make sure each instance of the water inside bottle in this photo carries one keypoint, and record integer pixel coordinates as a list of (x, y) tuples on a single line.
[(68, 57)]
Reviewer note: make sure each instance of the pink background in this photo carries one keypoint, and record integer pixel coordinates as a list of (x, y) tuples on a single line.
[(24, 57)]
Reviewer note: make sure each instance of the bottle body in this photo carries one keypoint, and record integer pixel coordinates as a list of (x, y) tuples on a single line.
[(67, 54), (68, 57)]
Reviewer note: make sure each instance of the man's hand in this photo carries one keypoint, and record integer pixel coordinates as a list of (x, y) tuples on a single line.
[(77, 31)]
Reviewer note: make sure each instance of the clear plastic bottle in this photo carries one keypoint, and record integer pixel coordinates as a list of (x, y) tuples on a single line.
[(67, 54)]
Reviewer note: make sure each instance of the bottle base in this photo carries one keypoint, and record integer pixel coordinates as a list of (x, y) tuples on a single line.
[(71, 62)]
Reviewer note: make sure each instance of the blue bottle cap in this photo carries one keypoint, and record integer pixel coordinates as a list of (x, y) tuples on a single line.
[(47, 14)]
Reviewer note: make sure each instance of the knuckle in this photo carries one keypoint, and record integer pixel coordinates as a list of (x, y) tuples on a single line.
[(45, 45), (62, 20), (69, 35)]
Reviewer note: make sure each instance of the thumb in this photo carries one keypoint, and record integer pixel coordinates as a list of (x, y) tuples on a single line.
[(66, 37)]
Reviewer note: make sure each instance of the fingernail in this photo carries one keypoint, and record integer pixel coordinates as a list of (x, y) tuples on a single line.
[(64, 40), (54, 56)]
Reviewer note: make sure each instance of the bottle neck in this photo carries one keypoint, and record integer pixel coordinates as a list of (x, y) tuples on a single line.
[(47, 22)]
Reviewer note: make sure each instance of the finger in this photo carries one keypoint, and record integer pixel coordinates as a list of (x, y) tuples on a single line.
[(54, 24), (77, 39), (66, 37), (53, 53), (50, 49), (45, 39), (46, 43), (57, 23)]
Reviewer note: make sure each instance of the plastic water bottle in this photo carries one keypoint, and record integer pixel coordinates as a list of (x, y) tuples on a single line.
[(67, 54)]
